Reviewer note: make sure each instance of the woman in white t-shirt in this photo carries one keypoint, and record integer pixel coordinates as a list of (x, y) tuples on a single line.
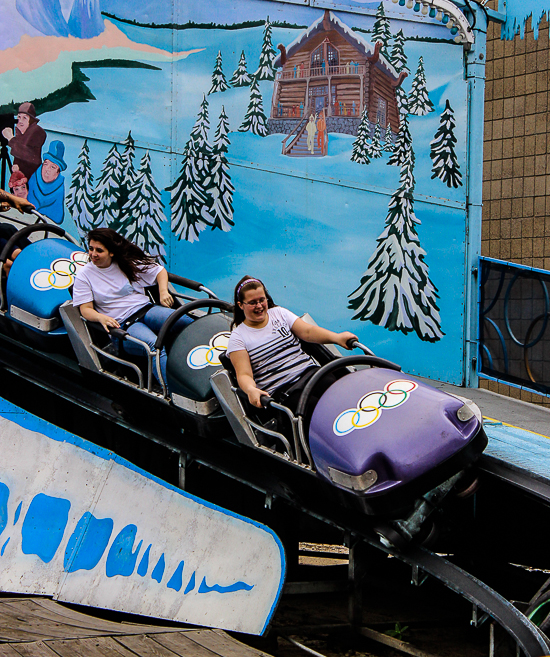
[(264, 347), (110, 290)]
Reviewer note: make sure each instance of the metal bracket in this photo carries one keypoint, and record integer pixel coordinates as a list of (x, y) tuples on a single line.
[(418, 576), (477, 620)]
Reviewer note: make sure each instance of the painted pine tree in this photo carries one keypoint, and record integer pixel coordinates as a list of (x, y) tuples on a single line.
[(396, 292), (219, 83), (388, 145), (402, 101), (80, 199), (190, 199), (381, 30), (419, 101), (107, 190), (360, 150), (403, 145), (398, 58), (144, 212), (221, 192), (241, 77), (255, 120), (127, 176), (445, 163), (266, 70), (375, 150)]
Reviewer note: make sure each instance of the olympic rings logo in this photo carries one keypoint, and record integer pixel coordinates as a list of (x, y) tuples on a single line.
[(60, 275), (204, 355), (371, 405)]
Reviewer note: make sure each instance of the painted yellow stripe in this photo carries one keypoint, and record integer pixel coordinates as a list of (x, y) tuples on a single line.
[(513, 426)]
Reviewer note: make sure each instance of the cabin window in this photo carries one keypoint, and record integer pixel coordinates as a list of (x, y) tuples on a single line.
[(332, 55), (317, 57), (381, 112)]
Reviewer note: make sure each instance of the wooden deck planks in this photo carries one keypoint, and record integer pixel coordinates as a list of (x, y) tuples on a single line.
[(145, 646), (222, 644), (34, 649), (182, 646), (41, 627)]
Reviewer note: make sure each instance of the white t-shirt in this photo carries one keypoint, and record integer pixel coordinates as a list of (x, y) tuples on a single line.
[(111, 291), (275, 352)]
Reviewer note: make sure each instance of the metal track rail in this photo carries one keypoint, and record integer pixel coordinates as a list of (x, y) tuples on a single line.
[(531, 640), (527, 635)]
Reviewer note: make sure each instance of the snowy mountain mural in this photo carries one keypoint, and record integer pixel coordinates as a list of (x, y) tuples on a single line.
[(173, 126), (84, 20)]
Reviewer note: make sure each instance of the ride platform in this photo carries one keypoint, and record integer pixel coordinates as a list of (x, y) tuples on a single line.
[(519, 439)]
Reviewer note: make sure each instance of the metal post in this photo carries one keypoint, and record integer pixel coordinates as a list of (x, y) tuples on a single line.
[(356, 574), (475, 75), (181, 470)]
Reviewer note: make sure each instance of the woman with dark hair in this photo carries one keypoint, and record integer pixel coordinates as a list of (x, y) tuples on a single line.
[(264, 346), (110, 290)]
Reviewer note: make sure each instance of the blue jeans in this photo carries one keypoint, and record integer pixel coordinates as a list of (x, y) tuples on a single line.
[(146, 330)]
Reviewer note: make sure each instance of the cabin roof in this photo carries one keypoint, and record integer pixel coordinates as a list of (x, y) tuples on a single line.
[(352, 37)]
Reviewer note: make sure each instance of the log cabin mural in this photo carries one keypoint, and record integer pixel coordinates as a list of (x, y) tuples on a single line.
[(331, 73)]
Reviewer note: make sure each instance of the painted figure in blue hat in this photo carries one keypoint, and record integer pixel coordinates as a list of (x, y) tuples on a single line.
[(47, 185)]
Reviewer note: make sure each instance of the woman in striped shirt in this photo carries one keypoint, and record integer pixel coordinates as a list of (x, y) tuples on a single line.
[(264, 346)]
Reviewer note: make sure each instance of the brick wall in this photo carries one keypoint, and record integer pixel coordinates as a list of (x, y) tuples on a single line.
[(516, 165)]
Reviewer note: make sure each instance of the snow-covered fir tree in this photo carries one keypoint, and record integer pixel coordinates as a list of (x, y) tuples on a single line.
[(241, 77), (388, 145), (381, 30), (403, 146), (360, 150), (127, 176), (419, 102), (375, 150), (190, 199), (144, 212), (107, 190), (221, 192), (445, 163), (396, 292), (255, 120), (219, 83), (398, 58), (80, 199), (266, 70), (402, 101)]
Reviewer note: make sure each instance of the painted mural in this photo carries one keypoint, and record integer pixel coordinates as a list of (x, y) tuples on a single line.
[(320, 150), (125, 540)]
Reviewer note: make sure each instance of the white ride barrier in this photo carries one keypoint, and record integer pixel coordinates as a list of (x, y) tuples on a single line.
[(85, 526)]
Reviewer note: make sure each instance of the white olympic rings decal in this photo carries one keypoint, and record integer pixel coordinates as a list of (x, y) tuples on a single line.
[(60, 275), (204, 355), (370, 406)]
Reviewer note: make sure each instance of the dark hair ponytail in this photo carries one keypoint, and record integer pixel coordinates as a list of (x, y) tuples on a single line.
[(129, 257), (247, 283)]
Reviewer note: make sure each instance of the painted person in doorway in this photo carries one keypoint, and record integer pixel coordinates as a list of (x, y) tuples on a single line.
[(27, 141), (311, 129), (47, 185), (110, 289), (264, 346)]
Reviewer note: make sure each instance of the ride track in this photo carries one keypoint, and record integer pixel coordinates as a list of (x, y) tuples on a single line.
[(44, 383), (34, 370)]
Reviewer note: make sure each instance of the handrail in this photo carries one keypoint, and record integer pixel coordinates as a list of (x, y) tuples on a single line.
[(318, 71), (299, 129)]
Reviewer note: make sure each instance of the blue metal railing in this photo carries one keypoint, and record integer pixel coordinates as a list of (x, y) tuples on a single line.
[(514, 331)]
